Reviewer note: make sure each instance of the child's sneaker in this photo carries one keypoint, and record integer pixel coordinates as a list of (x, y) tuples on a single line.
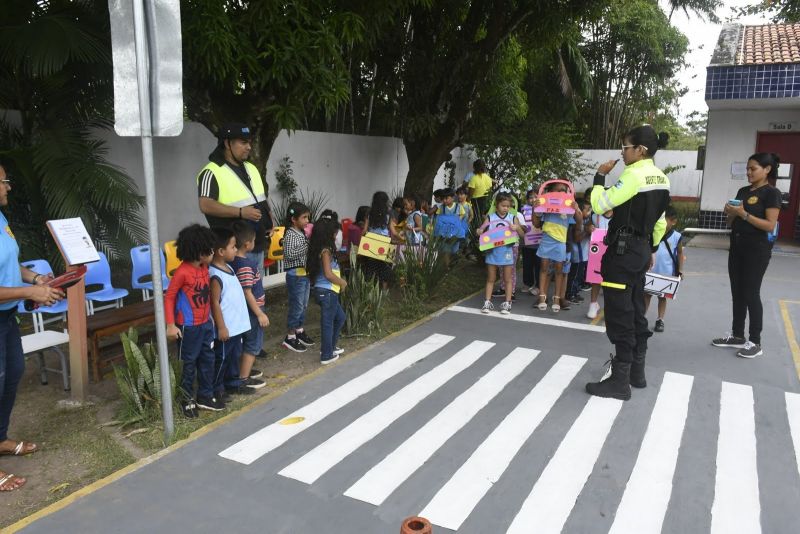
[(293, 344), (241, 390), (594, 309), (262, 354), (659, 327), (303, 338), (586, 287), (255, 373), (488, 307), (576, 298), (729, 340), (505, 308), (750, 350), (338, 351), (566, 304), (253, 383), (210, 403), (189, 409), (329, 359)]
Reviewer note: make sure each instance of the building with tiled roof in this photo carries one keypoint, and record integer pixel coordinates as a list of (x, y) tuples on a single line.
[(753, 97)]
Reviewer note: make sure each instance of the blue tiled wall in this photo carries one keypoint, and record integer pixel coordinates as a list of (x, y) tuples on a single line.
[(753, 81)]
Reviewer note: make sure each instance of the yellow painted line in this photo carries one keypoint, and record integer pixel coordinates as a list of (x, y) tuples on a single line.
[(200, 432), (787, 324), (599, 317)]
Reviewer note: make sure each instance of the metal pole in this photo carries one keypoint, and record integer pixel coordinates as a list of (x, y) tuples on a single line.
[(142, 77)]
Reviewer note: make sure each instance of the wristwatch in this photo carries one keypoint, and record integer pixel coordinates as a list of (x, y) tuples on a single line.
[(746, 216)]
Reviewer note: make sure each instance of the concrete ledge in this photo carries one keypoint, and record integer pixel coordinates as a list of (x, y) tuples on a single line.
[(274, 280)]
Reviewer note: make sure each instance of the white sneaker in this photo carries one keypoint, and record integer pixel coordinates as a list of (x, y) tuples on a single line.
[(337, 351), (488, 307), (505, 308), (594, 309)]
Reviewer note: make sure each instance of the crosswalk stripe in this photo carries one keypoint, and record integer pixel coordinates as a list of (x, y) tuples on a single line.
[(270, 437), (533, 319), (451, 506), (793, 411), (649, 488), (380, 481), (736, 505), (317, 462), (549, 504)]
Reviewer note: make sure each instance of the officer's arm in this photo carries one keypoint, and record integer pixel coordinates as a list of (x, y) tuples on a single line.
[(659, 230), (209, 206), (604, 200)]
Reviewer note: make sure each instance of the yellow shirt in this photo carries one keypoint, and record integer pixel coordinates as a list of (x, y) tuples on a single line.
[(480, 185)]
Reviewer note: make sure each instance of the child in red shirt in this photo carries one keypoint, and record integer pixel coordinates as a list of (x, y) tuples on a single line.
[(187, 307)]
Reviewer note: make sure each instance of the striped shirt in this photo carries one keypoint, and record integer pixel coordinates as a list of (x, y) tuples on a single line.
[(250, 277)]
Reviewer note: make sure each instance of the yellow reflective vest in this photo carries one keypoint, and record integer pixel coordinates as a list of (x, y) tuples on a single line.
[(232, 191)]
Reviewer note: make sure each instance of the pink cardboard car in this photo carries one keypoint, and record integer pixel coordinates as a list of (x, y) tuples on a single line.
[(555, 202)]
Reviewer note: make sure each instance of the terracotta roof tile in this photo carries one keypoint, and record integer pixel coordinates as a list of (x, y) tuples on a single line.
[(772, 43)]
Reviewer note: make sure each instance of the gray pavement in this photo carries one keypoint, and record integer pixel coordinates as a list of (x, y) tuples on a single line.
[(501, 437)]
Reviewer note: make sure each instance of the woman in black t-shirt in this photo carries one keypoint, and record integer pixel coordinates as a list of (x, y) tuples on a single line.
[(752, 216)]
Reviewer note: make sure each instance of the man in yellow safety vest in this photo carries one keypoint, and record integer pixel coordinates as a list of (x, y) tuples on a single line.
[(230, 188)]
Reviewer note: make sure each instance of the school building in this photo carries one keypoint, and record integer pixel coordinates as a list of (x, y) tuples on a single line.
[(753, 97)]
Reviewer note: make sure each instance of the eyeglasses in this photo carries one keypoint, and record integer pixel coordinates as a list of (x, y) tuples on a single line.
[(628, 146), (5, 182)]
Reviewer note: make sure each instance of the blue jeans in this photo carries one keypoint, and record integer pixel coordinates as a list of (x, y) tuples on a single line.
[(299, 289), (197, 356), (226, 364), (332, 320), (12, 365), (257, 257), (253, 339)]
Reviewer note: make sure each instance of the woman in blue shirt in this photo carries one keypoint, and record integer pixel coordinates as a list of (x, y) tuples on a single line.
[(12, 359)]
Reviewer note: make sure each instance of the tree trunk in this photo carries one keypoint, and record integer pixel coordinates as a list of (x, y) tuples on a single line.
[(426, 156)]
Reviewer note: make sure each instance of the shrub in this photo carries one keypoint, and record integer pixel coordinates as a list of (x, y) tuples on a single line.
[(139, 381), (362, 302), (419, 270)]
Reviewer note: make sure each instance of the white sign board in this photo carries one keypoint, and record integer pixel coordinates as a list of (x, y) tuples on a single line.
[(739, 170), (163, 20), (73, 241), (661, 285), (783, 126)]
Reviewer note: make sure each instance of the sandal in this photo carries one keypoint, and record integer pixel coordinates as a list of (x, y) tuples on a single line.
[(556, 307), (10, 482), (542, 303), (22, 449)]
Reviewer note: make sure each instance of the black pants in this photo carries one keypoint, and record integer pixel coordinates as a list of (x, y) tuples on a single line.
[(747, 262), (531, 263), (623, 294)]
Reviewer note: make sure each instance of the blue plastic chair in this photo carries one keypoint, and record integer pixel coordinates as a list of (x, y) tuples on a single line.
[(142, 275), (99, 273), (59, 309)]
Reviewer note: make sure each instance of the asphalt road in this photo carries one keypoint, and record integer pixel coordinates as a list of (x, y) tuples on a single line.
[(481, 424)]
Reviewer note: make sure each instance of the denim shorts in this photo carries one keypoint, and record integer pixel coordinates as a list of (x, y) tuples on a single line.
[(253, 339)]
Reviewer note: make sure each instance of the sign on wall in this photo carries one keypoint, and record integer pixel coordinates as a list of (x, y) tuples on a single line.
[(785, 126), (739, 170)]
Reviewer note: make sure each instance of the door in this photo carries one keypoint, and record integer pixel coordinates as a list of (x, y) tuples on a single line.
[(787, 146)]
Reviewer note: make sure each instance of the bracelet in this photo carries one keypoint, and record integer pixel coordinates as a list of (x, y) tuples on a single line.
[(35, 277), (746, 216)]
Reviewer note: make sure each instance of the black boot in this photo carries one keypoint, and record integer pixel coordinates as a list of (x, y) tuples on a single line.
[(616, 386), (638, 379)]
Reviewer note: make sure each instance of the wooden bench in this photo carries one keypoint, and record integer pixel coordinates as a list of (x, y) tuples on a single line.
[(110, 323)]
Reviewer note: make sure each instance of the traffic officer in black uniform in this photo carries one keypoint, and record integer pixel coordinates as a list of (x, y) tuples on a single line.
[(638, 199)]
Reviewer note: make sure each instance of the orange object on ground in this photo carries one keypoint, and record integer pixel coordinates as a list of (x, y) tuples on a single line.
[(416, 525)]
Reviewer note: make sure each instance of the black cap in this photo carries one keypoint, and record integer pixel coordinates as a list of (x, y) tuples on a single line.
[(234, 130), (447, 192)]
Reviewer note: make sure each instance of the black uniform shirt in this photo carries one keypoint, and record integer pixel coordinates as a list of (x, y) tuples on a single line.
[(756, 204)]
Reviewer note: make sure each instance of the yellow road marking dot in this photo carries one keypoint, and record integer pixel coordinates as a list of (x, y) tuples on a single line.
[(292, 420)]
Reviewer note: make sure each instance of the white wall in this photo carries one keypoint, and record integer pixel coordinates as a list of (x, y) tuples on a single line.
[(732, 138)]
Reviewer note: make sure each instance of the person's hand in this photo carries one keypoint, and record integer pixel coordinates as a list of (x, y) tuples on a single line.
[(589, 227), (263, 320), (343, 285), (222, 334), (271, 232), (173, 332), (46, 295), (606, 167), (737, 211), (43, 279), (251, 214), (652, 260)]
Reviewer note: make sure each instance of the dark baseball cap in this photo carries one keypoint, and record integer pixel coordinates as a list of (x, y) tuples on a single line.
[(234, 130)]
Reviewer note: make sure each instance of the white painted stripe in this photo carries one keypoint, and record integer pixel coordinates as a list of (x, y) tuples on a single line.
[(736, 507), (317, 462), (793, 411), (268, 438), (455, 501), (549, 504), (533, 319), (380, 481), (649, 488)]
